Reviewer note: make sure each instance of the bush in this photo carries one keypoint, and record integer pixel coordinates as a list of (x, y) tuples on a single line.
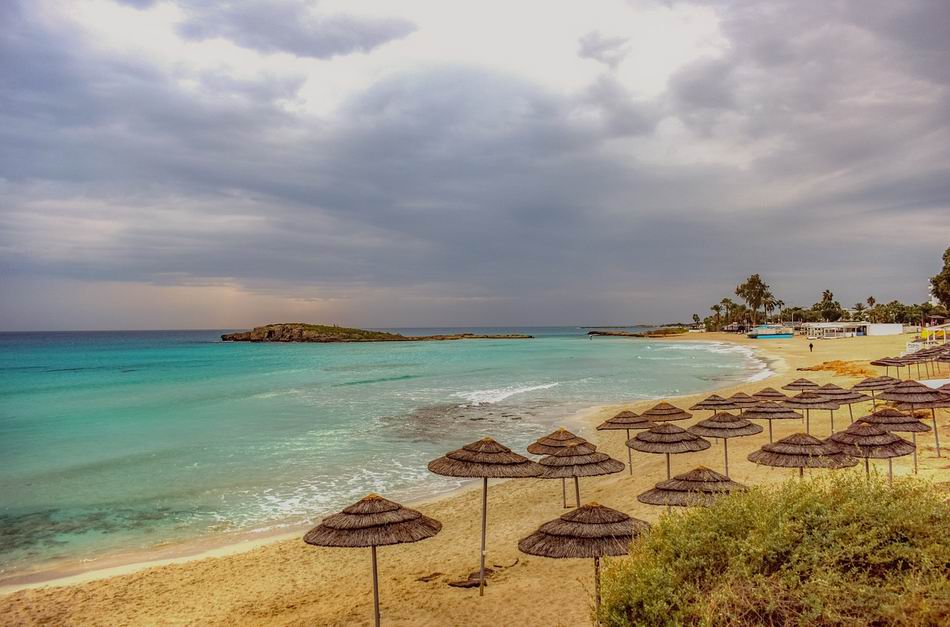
[(834, 551)]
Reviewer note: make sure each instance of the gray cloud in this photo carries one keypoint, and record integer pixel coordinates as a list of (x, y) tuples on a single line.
[(290, 26), (608, 50), (466, 195)]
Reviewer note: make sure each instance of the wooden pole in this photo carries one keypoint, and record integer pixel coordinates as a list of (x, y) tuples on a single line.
[(890, 471), (832, 421), (577, 491), (867, 467), (375, 587), (801, 472), (913, 436), (597, 590), (668, 475), (933, 415), (807, 421), (629, 455), (725, 453), (770, 431), (481, 570), (564, 492)]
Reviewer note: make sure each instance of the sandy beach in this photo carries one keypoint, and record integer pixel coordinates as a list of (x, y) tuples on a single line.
[(285, 582)]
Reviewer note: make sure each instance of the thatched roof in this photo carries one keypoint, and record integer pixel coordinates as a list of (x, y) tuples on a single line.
[(484, 458), (769, 394), (811, 400), (743, 400), (770, 410), (625, 420), (553, 442), (875, 384), (667, 438), (841, 395), (888, 361), (578, 460), (723, 425), (373, 521), (801, 451), (867, 440), (664, 412), (891, 419), (697, 488), (715, 403), (912, 392), (589, 531), (800, 384)]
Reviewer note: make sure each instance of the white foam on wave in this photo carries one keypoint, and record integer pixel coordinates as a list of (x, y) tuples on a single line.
[(492, 396), (762, 370)]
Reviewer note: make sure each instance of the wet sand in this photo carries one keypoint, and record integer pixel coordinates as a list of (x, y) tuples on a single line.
[(285, 582)]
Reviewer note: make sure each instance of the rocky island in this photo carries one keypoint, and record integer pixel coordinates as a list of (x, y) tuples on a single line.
[(661, 332), (324, 333)]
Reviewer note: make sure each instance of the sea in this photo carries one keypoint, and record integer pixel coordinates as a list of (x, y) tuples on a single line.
[(116, 442)]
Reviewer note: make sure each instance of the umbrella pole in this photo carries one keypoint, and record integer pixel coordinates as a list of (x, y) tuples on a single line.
[(564, 492), (725, 453), (873, 401), (890, 471), (668, 475), (770, 431), (867, 467), (597, 590), (933, 416), (807, 421), (913, 436), (850, 412), (801, 472), (629, 455), (577, 491), (832, 421), (481, 570), (375, 587)]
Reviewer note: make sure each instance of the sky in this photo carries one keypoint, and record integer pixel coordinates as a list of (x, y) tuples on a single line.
[(198, 164)]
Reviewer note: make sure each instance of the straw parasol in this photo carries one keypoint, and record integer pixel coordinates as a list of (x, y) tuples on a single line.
[(714, 403), (668, 439), (808, 401), (896, 421), (664, 412), (578, 460), (591, 531), (743, 401), (866, 440), (888, 363), (875, 384), (770, 410), (914, 395), (769, 394), (725, 426), (800, 384), (552, 443), (625, 420), (842, 397), (801, 451), (699, 487), (371, 522), (484, 459)]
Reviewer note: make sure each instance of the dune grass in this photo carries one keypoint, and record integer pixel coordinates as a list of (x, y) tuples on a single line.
[(838, 550)]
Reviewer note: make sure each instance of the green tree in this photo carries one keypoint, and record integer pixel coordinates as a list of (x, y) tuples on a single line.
[(754, 292), (940, 282), (717, 309), (695, 318)]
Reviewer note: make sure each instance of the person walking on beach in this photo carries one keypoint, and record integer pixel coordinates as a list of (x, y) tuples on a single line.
[(811, 347)]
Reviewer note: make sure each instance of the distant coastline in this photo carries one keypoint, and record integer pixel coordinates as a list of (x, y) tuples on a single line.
[(322, 333)]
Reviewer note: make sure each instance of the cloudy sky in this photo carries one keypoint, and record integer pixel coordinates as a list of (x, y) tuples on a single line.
[(188, 163)]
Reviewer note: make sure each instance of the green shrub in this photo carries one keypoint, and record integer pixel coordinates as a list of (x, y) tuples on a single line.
[(834, 551)]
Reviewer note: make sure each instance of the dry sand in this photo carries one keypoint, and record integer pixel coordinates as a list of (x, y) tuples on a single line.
[(289, 583)]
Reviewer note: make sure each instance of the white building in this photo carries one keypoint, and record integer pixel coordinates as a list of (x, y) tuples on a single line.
[(828, 330)]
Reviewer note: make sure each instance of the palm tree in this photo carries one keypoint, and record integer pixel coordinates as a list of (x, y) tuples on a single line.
[(717, 309), (753, 291), (871, 301), (730, 308)]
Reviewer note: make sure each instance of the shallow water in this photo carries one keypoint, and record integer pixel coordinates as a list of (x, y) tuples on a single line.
[(116, 441)]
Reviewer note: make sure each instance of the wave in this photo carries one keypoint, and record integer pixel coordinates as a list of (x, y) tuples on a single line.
[(402, 377), (492, 396)]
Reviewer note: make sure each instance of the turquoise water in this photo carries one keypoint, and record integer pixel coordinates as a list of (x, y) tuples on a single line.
[(119, 441)]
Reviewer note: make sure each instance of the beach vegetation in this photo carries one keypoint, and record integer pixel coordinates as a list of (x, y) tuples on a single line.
[(940, 282), (837, 550)]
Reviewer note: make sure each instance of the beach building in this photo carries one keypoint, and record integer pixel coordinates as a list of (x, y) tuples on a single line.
[(857, 328)]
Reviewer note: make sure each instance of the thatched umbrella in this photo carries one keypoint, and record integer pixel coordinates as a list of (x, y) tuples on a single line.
[(484, 459), (875, 384), (664, 412), (801, 451), (888, 363), (913, 395), (770, 410), (714, 403), (866, 440), (371, 522), (668, 439), (725, 426), (808, 401), (769, 394), (625, 420), (842, 397), (743, 401), (591, 531), (699, 487), (896, 421), (800, 384), (578, 460), (552, 443)]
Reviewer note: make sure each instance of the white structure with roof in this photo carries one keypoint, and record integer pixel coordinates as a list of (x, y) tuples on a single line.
[(856, 328)]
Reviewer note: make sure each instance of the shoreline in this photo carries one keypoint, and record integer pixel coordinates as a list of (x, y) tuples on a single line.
[(121, 562)]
